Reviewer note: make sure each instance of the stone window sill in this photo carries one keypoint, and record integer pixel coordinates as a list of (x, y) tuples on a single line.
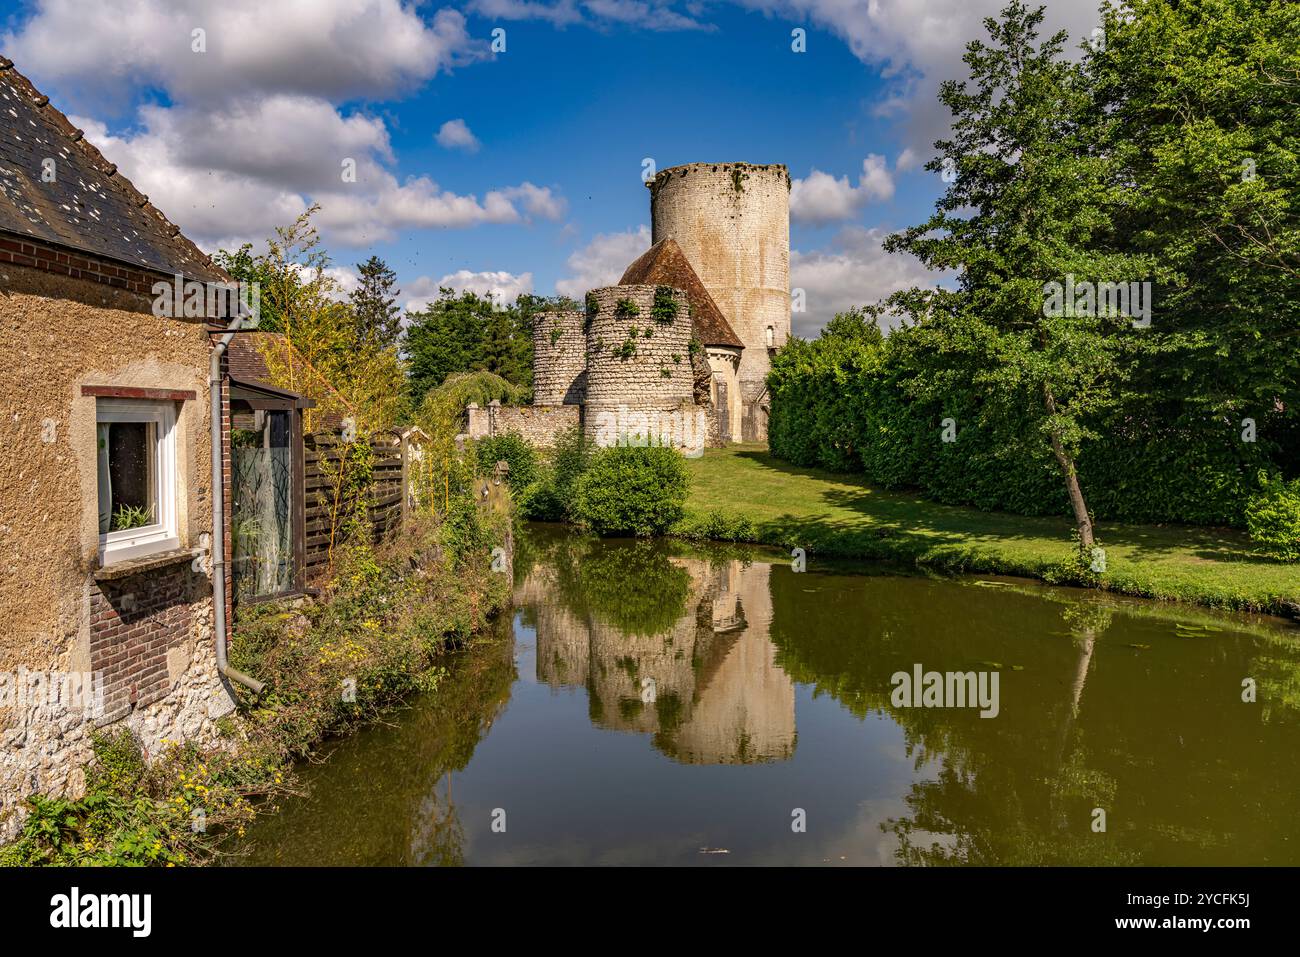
[(145, 563)]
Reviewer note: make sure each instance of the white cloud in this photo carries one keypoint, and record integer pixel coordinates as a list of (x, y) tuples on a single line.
[(504, 287), (822, 198), (602, 261), (455, 135), (222, 195), (852, 271), (918, 44), (336, 49)]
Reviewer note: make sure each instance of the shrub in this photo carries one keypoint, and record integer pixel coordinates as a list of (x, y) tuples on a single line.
[(639, 490), (1273, 517), (511, 448)]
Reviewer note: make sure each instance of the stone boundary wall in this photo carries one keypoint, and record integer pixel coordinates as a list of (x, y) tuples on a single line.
[(538, 424), (559, 358)]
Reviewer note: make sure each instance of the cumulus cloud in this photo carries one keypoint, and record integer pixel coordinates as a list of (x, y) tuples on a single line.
[(252, 132), (455, 135), (335, 49), (602, 261), (823, 198), (504, 287), (918, 44), (853, 270), (222, 195)]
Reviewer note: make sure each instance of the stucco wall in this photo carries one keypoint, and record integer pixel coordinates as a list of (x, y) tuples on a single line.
[(58, 334)]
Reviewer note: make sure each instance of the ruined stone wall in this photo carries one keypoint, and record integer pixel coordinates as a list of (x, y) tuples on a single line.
[(559, 358), (732, 221), (539, 425), (58, 334)]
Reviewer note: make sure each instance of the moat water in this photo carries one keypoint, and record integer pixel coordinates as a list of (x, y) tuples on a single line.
[(653, 703)]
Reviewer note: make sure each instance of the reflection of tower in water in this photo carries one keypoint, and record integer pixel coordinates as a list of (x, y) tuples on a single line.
[(707, 687)]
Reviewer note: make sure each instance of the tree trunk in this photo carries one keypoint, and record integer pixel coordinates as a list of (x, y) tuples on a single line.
[(1071, 476)]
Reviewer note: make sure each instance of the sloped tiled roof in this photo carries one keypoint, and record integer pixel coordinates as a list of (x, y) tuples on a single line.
[(88, 206), (664, 264)]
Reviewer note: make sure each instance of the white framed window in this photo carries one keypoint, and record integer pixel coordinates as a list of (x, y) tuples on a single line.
[(136, 477)]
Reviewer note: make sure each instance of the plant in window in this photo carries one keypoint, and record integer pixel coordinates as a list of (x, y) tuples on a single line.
[(131, 516)]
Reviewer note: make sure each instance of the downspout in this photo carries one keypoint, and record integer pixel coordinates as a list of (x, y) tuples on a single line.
[(219, 518)]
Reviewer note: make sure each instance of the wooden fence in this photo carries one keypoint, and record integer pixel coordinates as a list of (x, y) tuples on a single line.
[(390, 491)]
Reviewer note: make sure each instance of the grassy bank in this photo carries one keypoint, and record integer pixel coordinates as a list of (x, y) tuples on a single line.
[(743, 493)]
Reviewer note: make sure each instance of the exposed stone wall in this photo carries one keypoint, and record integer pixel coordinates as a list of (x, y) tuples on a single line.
[(732, 220), (559, 358), (539, 425), (57, 334), (650, 371)]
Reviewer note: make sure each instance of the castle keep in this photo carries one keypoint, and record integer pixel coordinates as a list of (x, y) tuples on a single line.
[(683, 342)]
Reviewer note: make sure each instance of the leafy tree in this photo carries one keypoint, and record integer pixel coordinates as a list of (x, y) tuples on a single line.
[(466, 332), (1030, 203), (319, 353), (1200, 100)]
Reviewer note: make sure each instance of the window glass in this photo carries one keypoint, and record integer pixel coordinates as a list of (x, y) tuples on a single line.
[(127, 475)]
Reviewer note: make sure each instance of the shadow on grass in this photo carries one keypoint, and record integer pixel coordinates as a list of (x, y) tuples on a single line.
[(905, 516)]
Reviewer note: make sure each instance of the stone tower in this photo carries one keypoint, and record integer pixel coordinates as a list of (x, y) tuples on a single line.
[(732, 220), (559, 358)]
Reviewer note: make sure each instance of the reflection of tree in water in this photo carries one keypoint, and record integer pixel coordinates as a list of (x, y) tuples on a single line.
[(628, 583), (1011, 789)]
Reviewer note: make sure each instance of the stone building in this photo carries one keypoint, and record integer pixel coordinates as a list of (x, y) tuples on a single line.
[(108, 596), (721, 241)]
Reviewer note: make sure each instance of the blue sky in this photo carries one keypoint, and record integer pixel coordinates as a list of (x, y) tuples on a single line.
[(535, 184)]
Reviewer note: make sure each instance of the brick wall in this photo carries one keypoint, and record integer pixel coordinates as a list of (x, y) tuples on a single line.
[(62, 262), (134, 623)]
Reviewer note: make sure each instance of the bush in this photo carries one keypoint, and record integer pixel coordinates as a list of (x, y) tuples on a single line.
[(550, 498), (631, 490), (511, 448), (1273, 517)]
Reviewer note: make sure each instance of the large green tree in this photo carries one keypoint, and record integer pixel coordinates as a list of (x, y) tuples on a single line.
[(1029, 204)]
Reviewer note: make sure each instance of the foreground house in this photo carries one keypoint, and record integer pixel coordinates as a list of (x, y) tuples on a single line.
[(107, 611)]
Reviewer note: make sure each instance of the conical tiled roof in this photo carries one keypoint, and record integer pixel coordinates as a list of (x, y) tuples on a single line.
[(664, 264), (88, 205)]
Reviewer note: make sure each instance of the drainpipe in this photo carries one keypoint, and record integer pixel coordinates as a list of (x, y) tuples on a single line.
[(219, 518)]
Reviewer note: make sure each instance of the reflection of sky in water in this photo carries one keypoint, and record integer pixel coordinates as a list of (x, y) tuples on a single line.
[(780, 700)]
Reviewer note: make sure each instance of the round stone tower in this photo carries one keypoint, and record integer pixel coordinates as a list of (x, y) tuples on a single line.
[(559, 358), (638, 360), (732, 220)]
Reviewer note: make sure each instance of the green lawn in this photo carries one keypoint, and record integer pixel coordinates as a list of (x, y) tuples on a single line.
[(839, 515)]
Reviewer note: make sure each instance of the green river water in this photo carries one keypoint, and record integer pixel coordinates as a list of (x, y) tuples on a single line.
[(654, 703)]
